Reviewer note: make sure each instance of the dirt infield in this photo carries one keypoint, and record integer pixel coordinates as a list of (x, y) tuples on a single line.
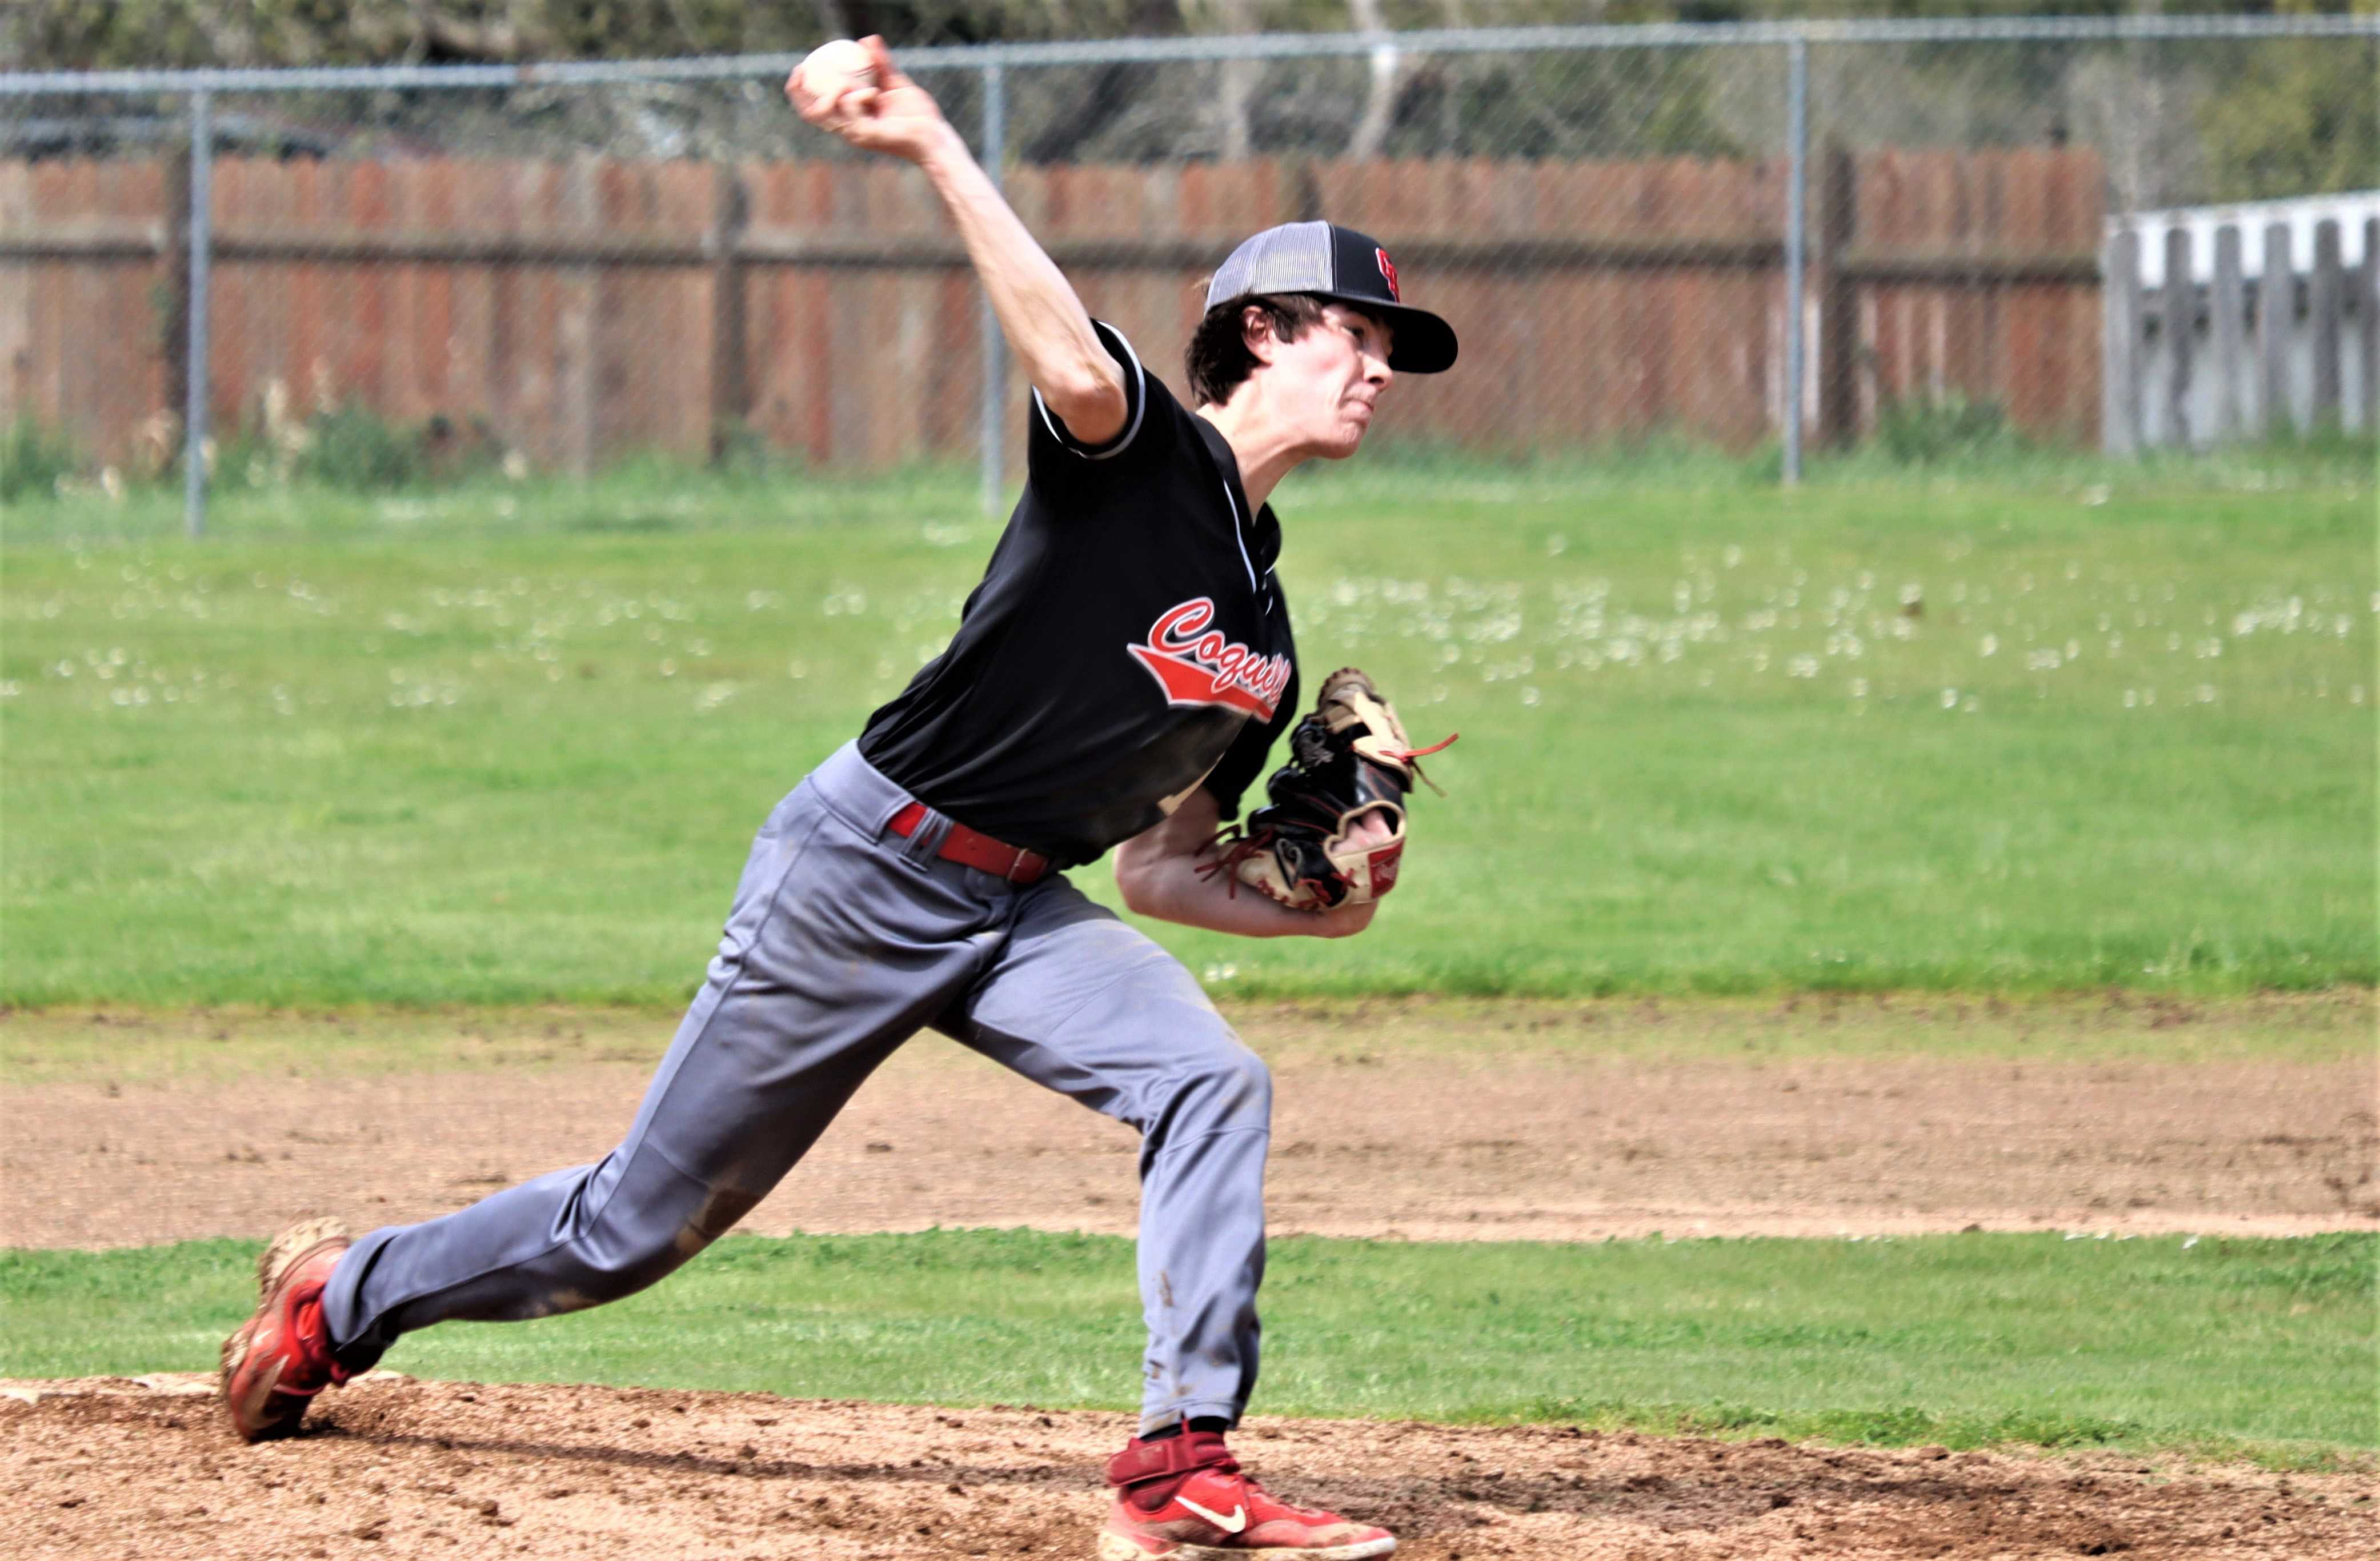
[(406, 1469), (1515, 1121)]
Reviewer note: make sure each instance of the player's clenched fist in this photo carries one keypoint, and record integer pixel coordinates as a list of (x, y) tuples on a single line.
[(854, 90)]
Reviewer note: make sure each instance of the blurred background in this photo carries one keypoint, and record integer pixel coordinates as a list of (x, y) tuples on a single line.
[(1914, 227)]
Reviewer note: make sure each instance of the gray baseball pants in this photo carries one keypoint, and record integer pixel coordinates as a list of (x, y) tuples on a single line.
[(845, 940)]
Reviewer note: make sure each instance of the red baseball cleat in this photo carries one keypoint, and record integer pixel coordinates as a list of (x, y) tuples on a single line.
[(1184, 1497), (276, 1362)]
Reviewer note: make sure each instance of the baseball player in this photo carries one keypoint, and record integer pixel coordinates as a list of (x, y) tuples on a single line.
[(1115, 682)]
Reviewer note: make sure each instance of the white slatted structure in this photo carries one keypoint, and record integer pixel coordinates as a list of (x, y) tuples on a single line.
[(2244, 321)]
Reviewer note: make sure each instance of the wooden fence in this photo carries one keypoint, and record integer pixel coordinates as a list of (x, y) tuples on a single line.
[(2213, 355), (587, 308)]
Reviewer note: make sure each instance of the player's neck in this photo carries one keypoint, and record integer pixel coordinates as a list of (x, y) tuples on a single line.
[(1266, 454)]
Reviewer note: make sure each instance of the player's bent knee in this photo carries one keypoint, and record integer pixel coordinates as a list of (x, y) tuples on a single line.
[(599, 1267), (625, 1249), (1223, 1088)]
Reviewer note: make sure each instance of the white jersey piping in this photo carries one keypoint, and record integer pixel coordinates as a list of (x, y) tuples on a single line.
[(1240, 534), (1139, 405)]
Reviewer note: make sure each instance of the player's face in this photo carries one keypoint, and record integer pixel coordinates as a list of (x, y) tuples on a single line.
[(1329, 381)]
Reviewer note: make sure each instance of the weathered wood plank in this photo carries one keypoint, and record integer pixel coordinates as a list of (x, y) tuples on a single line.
[(731, 385), (580, 301), (18, 359), (1838, 214), (2276, 313), (2367, 323), (80, 299), (2178, 330), (372, 324), (2327, 312), (2086, 368), (2120, 350), (474, 193), (2227, 333)]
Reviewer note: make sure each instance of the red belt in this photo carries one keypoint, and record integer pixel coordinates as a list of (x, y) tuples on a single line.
[(971, 848)]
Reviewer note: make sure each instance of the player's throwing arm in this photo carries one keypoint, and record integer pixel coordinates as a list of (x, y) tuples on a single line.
[(854, 90)]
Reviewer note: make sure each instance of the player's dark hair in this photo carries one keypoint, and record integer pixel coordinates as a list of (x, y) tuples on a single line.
[(1218, 357)]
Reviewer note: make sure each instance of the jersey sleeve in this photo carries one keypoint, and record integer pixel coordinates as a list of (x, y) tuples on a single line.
[(1054, 457), (1244, 761)]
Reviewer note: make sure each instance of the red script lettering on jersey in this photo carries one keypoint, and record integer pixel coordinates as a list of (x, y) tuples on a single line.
[(1194, 665)]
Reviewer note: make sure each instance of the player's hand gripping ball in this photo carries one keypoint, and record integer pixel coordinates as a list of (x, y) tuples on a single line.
[(1333, 832), (854, 90), (817, 85)]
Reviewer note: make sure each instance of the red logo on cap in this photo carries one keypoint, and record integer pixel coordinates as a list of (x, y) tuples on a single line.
[(1389, 271)]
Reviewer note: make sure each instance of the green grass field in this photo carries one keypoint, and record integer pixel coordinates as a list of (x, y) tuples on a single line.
[(1973, 737), (2255, 1348), (2048, 730)]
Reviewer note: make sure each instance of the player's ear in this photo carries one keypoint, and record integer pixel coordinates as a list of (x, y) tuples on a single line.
[(1256, 331)]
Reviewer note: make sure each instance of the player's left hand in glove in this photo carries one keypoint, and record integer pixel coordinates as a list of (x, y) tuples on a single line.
[(1333, 833)]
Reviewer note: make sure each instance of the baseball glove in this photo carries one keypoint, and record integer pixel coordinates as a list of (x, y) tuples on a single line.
[(1348, 759)]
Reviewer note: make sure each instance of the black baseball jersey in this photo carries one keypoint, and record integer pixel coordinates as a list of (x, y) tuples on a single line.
[(1128, 644)]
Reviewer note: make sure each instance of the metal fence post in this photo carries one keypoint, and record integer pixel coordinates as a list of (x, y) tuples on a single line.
[(194, 409), (995, 346), (1797, 181)]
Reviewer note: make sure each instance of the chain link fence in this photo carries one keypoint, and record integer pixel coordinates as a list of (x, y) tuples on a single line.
[(1734, 238)]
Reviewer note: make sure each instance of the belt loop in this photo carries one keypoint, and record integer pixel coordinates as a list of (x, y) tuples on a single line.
[(926, 842), (931, 835)]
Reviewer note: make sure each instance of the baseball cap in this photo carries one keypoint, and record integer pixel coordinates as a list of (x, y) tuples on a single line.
[(1337, 263)]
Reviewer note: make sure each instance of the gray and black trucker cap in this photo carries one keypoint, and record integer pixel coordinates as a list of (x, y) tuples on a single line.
[(1337, 263)]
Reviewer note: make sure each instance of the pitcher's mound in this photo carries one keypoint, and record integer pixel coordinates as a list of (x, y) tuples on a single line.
[(395, 1467)]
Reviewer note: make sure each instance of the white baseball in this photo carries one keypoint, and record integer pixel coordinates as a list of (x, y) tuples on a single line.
[(834, 68)]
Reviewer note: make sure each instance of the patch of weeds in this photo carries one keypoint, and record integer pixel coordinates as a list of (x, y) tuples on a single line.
[(349, 447), (638, 522), (1926, 431), (32, 460), (738, 450), (2341, 1265), (352, 447)]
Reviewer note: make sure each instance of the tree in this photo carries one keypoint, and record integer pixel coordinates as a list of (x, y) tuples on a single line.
[(100, 35), (2300, 117)]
